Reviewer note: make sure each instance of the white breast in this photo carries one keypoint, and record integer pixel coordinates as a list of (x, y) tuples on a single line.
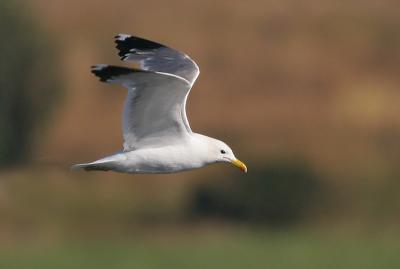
[(167, 159)]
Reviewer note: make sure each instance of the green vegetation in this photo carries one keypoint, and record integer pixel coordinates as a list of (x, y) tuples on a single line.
[(283, 250), (278, 193), (27, 82)]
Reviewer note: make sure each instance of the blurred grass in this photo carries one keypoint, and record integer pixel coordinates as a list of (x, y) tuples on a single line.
[(241, 250)]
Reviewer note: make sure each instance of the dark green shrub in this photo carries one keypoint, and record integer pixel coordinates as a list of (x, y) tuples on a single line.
[(27, 80), (280, 193)]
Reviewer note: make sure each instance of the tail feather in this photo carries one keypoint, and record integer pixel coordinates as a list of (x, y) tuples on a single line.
[(104, 164), (77, 167), (91, 167)]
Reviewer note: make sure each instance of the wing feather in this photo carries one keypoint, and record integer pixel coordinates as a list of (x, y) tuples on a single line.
[(156, 57), (153, 107)]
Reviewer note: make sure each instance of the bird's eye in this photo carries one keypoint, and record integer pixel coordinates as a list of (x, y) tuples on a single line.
[(223, 151)]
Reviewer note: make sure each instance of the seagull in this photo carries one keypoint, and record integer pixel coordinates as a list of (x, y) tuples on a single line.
[(157, 135)]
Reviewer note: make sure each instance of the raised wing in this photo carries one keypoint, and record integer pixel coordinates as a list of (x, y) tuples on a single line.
[(156, 57), (154, 108)]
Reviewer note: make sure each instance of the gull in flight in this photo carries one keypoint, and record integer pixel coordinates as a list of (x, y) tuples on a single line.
[(156, 131)]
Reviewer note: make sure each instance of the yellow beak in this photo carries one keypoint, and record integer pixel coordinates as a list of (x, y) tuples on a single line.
[(239, 165)]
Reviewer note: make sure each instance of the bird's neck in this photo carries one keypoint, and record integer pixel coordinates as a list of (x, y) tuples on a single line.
[(202, 146)]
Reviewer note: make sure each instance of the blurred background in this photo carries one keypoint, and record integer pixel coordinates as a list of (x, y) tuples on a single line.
[(305, 92)]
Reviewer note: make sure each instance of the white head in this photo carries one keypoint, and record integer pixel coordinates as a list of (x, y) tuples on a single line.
[(218, 151)]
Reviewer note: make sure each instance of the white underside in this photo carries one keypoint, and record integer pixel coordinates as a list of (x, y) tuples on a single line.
[(187, 155)]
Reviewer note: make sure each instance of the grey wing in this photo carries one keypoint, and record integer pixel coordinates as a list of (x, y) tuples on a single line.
[(156, 57), (153, 107)]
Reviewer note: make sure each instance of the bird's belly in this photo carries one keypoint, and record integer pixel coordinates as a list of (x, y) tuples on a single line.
[(156, 161)]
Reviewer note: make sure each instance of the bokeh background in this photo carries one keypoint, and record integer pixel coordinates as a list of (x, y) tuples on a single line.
[(305, 92)]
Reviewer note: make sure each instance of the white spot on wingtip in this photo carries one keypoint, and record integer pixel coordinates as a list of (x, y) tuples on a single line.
[(126, 56), (122, 37), (99, 66)]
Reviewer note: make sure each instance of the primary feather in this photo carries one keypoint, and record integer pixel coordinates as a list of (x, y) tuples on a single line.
[(156, 57)]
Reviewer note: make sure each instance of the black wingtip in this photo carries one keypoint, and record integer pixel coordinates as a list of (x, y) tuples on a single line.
[(106, 73), (127, 44)]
